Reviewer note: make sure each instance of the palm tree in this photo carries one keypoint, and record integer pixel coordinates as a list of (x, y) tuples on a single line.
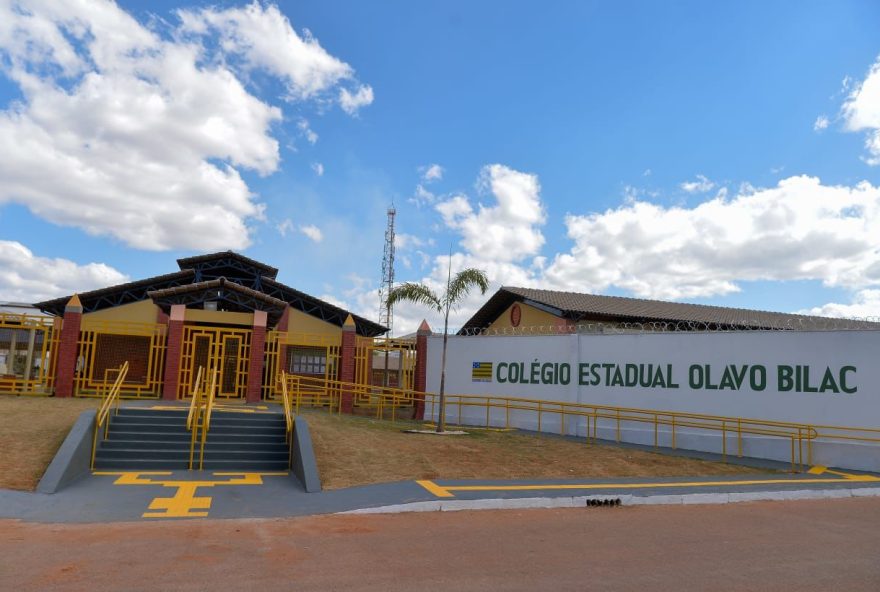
[(456, 289)]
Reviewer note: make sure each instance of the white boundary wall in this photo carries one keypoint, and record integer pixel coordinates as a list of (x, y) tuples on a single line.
[(689, 364)]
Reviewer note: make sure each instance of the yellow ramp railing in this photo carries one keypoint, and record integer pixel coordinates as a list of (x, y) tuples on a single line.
[(309, 391), (198, 420), (287, 407), (109, 404), (667, 425)]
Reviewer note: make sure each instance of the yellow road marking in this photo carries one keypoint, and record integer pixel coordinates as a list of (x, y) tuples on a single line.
[(446, 490), (819, 470), (435, 489), (184, 503)]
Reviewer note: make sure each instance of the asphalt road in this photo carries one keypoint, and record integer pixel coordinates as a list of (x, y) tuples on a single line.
[(775, 546)]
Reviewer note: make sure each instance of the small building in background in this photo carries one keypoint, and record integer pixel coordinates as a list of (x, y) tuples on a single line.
[(531, 311)]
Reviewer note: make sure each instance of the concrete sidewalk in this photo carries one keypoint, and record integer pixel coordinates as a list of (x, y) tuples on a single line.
[(124, 496)]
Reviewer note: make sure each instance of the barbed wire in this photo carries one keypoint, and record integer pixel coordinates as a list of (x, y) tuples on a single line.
[(738, 326)]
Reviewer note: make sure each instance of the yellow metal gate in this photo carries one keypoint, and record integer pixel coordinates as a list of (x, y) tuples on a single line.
[(224, 349), (103, 346), (28, 347), (299, 354), (386, 362)]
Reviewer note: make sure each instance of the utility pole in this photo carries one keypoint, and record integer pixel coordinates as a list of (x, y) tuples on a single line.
[(386, 315)]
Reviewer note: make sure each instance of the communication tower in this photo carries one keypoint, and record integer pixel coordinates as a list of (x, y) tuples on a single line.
[(386, 315)]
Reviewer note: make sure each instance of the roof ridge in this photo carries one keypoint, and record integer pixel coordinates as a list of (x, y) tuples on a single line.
[(663, 302)]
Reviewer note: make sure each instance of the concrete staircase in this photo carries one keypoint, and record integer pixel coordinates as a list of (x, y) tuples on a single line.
[(152, 439)]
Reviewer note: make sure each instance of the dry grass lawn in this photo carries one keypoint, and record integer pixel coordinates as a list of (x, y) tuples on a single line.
[(31, 431), (357, 450)]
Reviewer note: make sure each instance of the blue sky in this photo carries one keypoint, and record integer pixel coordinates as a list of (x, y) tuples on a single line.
[(704, 152)]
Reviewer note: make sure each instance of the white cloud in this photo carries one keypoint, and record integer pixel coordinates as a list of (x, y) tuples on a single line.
[(140, 133), (506, 231), (865, 303), (25, 277), (265, 40), (433, 172), (701, 185), (403, 241), (285, 226), (352, 102), (307, 131), (313, 232), (318, 168), (861, 112), (800, 229), (422, 196), (821, 123)]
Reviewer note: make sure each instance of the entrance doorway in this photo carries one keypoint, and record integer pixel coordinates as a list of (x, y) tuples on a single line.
[(222, 349)]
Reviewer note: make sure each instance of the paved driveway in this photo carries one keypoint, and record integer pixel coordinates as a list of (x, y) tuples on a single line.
[(801, 546)]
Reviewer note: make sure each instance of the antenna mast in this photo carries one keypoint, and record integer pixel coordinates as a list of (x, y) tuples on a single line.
[(386, 315)]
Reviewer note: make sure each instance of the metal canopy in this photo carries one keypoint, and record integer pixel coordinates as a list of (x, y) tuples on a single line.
[(229, 296), (320, 309), (243, 270), (248, 285), (120, 294)]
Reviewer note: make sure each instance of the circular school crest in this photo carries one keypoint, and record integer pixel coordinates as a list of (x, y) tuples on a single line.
[(515, 315)]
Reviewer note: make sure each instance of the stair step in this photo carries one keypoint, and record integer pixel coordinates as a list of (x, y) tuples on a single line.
[(148, 439), (183, 453), (237, 429), (142, 454), (147, 427), (252, 465), (141, 464), (273, 446)]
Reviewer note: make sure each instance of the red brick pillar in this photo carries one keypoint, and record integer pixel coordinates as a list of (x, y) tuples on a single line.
[(421, 377), (347, 362), (67, 346), (173, 352), (258, 355)]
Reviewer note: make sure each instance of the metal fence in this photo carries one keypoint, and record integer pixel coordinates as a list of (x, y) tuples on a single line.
[(105, 345), (730, 326), (28, 348)]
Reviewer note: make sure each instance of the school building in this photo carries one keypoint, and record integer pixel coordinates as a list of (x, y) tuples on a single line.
[(220, 311)]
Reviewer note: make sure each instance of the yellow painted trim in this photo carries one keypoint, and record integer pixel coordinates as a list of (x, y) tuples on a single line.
[(435, 489), (184, 503), (531, 317), (445, 490), (245, 319)]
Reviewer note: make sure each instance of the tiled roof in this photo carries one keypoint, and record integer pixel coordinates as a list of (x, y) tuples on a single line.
[(578, 306)]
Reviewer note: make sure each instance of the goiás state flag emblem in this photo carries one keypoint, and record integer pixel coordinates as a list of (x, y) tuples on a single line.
[(481, 372)]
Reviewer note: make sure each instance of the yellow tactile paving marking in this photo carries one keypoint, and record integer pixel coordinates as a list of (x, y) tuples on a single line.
[(447, 490), (184, 503)]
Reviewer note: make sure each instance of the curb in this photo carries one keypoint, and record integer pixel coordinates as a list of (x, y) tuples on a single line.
[(617, 500)]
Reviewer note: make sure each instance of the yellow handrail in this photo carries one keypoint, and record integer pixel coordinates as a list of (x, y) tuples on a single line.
[(319, 392), (199, 419), (288, 411), (285, 402), (194, 402), (206, 423), (102, 418)]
